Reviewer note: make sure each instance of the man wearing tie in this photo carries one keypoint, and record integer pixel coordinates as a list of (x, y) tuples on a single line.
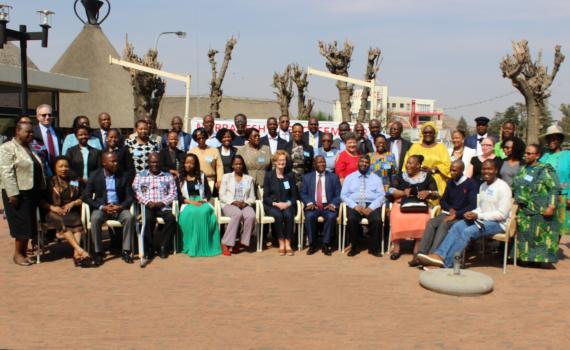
[(44, 133), (104, 120), (320, 193), (474, 141), (313, 136), (363, 193), (397, 145)]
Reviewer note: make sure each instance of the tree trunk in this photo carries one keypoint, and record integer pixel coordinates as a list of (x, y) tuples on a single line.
[(216, 91), (533, 120), (344, 94)]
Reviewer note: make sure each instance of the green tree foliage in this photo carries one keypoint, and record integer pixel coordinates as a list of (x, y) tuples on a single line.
[(322, 116), (462, 125), (515, 114)]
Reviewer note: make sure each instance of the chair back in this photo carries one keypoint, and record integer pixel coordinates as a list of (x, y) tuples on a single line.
[(511, 228)]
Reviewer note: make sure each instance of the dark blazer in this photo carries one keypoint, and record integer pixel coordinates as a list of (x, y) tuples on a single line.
[(125, 159), (365, 146), (227, 161), (309, 155), (332, 188), (186, 138), (319, 135), (405, 147), (472, 140), (76, 160), (281, 144), (273, 191), (238, 141), (167, 162), (97, 134), (39, 139), (97, 186)]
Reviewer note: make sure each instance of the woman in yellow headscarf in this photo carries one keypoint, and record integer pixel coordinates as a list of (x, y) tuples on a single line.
[(436, 157)]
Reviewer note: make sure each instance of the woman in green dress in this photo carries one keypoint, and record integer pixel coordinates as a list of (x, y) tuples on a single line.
[(200, 233), (535, 190), (560, 161)]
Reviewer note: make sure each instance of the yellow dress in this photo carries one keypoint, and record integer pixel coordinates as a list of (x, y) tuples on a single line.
[(434, 157)]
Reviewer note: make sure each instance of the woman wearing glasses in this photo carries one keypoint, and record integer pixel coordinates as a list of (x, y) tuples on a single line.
[(487, 152)]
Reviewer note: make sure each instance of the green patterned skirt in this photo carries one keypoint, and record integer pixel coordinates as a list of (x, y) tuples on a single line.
[(537, 238)]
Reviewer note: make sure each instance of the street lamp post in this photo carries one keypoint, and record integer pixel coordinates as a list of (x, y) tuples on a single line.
[(23, 36), (179, 34)]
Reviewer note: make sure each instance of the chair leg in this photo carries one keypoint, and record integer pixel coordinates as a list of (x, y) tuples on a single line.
[(505, 256), (38, 259), (343, 240), (389, 240), (260, 239), (515, 252), (382, 240), (339, 235), (175, 243)]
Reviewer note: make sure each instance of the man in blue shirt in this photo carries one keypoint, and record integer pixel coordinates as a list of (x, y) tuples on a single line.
[(363, 193)]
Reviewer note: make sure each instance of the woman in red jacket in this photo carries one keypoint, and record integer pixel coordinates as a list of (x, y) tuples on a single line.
[(347, 160)]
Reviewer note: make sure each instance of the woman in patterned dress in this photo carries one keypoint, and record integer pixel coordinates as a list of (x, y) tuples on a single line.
[(536, 191), (383, 162), (141, 146)]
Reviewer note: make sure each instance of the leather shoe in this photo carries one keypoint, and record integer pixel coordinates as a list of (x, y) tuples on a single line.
[(163, 253), (312, 250), (327, 250), (126, 257), (374, 252), (415, 262), (395, 256), (352, 252), (98, 259)]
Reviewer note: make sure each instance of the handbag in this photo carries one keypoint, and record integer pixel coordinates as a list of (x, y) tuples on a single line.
[(413, 204)]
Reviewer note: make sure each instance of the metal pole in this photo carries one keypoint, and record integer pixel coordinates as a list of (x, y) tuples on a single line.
[(187, 107), (23, 70)]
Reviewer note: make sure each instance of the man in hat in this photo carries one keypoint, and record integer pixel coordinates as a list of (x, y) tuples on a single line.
[(474, 141)]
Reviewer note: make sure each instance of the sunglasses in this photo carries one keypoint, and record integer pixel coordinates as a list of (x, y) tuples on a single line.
[(46, 115)]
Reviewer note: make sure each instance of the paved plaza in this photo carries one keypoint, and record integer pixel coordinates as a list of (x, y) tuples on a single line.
[(266, 301)]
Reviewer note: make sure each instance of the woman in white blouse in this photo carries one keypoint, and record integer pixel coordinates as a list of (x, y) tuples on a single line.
[(459, 150)]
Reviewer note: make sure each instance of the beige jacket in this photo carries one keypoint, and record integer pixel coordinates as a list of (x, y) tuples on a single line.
[(17, 169), (228, 187)]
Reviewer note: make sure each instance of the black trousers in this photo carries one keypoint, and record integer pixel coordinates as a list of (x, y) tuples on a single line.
[(374, 225), (156, 238), (284, 221)]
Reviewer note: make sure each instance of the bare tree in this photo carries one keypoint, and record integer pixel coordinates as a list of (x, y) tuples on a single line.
[(338, 62), (284, 86), (533, 81), (300, 78), (148, 89), (218, 78), (371, 69)]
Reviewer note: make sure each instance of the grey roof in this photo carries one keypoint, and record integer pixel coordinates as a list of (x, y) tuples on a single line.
[(43, 81), (10, 55)]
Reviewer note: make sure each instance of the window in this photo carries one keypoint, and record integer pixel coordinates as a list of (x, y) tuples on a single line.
[(401, 105), (393, 105), (407, 106)]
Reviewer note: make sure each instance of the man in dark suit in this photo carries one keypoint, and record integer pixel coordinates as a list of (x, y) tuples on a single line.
[(364, 144), (45, 135), (104, 120), (474, 141), (320, 193), (313, 136), (397, 145), (272, 139), (109, 194), (184, 139)]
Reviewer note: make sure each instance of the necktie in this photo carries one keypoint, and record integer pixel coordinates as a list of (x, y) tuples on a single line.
[(104, 138), (480, 139), (320, 193), (50, 146), (313, 142), (362, 196)]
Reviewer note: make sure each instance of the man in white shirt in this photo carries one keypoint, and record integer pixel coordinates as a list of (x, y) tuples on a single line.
[(44, 133), (272, 138), (490, 217), (284, 132)]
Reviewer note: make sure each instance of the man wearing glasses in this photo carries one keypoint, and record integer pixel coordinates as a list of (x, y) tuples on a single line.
[(45, 134)]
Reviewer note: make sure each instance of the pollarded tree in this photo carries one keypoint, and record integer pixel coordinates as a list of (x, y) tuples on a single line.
[(338, 62), (371, 70), (218, 77), (300, 78), (532, 79), (284, 86)]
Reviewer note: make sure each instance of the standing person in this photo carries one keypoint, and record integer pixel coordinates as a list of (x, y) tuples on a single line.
[(280, 201), (328, 151), (436, 158), (474, 141), (364, 144), (184, 139), (62, 202), (284, 133), (71, 140), (383, 162), (237, 197), (343, 132), (474, 170), (513, 161), (508, 133), (272, 139), (141, 146), (45, 134), (363, 194), (156, 190), (397, 144), (320, 193), (109, 195), (198, 223), (313, 137), (536, 190), (240, 121), (83, 159), (490, 217), (301, 154), (375, 128), (459, 150), (460, 197), (104, 120), (227, 151), (347, 160), (22, 177), (124, 158), (211, 140), (172, 157), (560, 161), (210, 159), (257, 158)]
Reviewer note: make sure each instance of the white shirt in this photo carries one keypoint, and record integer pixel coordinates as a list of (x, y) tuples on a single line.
[(44, 131), (494, 202), (273, 142), (285, 135), (468, 153), (479, 150)]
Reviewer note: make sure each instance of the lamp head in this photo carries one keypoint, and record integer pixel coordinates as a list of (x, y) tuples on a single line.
[(45, 17), (5, 12)]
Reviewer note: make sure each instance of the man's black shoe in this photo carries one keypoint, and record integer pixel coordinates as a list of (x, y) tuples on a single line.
[(374, 252), (327, 250), (163, 253), (352, 252), (312, 250), (126, 257), (98, 259)]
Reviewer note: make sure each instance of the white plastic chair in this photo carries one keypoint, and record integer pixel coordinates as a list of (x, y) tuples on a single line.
[(86, 221), (320, 219), (222, 220), (262, 219)]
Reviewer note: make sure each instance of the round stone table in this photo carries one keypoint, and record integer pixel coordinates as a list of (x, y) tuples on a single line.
[(467, 283)]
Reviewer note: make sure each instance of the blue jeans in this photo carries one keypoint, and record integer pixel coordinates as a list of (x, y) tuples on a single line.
[(460, 234)]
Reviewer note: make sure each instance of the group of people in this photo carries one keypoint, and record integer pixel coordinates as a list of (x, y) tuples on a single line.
[(475, 182)]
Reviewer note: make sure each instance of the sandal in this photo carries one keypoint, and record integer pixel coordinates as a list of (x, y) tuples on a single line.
[(290, 252), (282, 252), (226, 250), (26, 262)]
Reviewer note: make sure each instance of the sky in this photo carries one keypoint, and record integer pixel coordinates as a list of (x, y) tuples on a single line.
[(438, 49)]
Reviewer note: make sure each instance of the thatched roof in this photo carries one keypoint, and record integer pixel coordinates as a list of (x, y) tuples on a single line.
[(110, 85), (10, 55)]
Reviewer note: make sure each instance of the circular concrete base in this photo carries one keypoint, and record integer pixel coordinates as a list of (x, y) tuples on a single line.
[(465, 284)]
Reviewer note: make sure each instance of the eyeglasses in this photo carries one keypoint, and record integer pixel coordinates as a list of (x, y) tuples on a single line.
[(486, 145), (529, 153), (45, 115)]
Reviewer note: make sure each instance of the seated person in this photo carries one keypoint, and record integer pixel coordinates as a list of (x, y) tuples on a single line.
[(413, 187), (171, 157), (109, 195), (460, 196), (363, 194), (320, 193), (237, 197), (156, 190), (490, 217)]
